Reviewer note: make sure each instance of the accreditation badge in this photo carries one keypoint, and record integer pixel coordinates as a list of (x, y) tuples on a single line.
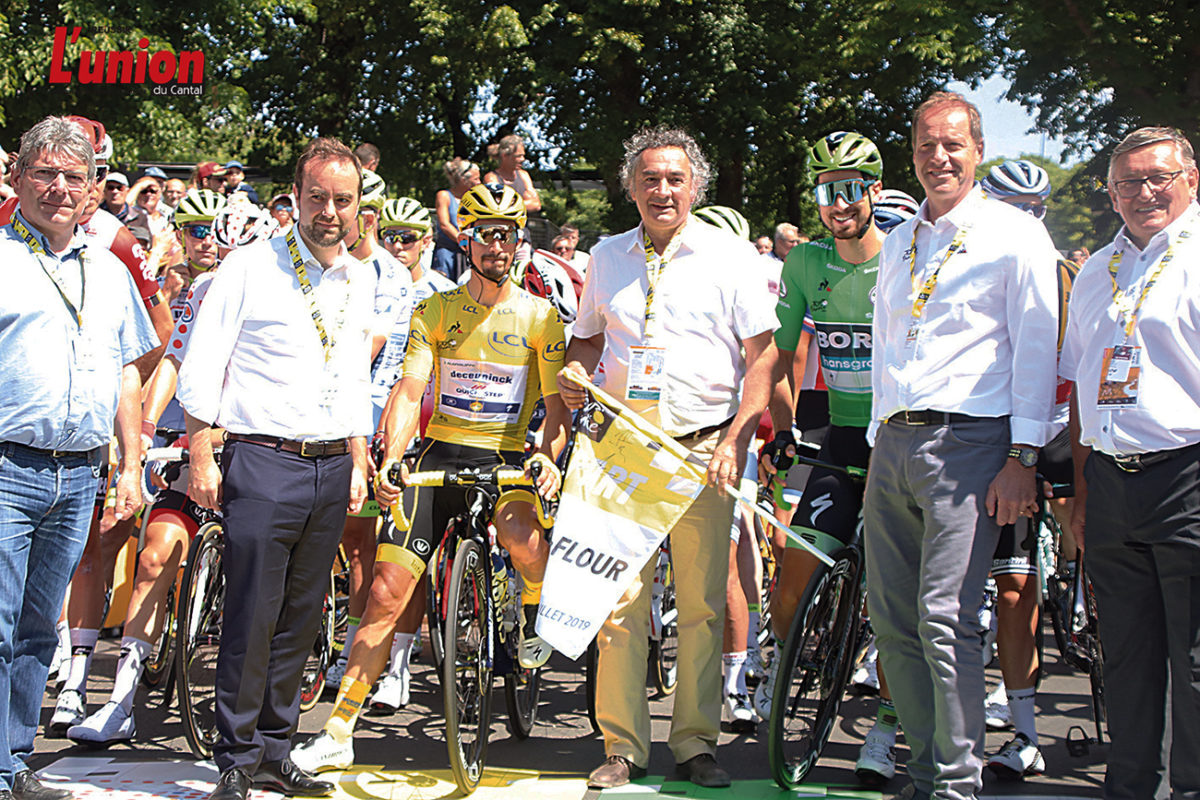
[(646, 373), (1119, 372)]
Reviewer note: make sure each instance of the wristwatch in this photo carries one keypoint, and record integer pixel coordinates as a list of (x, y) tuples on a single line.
[(1025, 456)]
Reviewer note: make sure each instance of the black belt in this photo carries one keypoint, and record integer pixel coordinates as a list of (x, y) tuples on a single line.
[(931, 418), (332, 447), (88, 454), (1140, 461), (700, 434)]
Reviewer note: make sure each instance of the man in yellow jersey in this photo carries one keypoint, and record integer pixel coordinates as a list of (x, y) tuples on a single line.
[(492, 350)]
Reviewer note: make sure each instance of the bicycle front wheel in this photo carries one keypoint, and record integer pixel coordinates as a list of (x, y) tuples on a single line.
[(1090, 640), (664, 650), (466, 666), (162, 654), (815, 668), (312, 680), (201, 606), (522, 688)]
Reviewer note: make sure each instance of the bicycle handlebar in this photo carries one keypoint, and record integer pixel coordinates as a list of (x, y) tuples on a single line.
[(470, 476)]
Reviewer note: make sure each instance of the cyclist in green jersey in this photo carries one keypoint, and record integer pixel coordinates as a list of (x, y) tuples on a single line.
[(833, 281)]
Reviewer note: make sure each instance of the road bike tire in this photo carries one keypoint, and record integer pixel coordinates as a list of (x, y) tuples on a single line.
[(1095, 653), (159, 664), (312, 680), (664, 653), (201, 605), (762, 535), (591, 662), (437, 576), (522, 690), (815, 665), (466, 670)]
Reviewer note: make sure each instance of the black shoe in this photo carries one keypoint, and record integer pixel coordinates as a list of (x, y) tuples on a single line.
[(702, 770), (26, 786), (286, 778), (234, 785)]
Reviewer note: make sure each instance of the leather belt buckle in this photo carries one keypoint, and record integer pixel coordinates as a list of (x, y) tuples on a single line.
[(1129, 463), (312, 449)]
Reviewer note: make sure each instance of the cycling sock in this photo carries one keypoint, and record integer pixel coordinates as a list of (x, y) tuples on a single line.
[(886, 718), (83, 645), (63, 630), (755, 621), (134, 653), (1020, 703), (735, 672), (401, 647), (351, 695), (352, 624), (531, 593)]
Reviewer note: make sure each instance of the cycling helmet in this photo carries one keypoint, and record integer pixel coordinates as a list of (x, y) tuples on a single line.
[(240, 224), (490, 201), (198, 205), (725, 218), (894, 207), (374, 190), (94, 131), (842, 150), (405, 213), (549, 276), (1014, 178)]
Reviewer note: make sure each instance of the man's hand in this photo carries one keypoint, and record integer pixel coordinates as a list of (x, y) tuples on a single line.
[(358, 488), (129, 492), (386, 492), (783, 446), (549, 480), (204, 484), (573, 395), (1012, 493), (727, 462)]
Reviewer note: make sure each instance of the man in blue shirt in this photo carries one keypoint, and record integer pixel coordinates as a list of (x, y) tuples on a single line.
[(71, 326)]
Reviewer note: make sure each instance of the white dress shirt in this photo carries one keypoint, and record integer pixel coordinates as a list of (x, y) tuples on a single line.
[(255, 363), (1167, 415), (987, 340), (708, 299)]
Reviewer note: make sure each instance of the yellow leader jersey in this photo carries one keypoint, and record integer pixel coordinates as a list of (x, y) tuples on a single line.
[(489, 364)]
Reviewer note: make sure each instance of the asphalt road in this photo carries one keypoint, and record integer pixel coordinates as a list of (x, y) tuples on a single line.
[(406, 751)]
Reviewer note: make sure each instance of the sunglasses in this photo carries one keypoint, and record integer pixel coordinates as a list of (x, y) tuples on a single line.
[(151, 190), (1038, 210), (849, 189), (282, 207), (199, 232), (495, 233), (403, 237)]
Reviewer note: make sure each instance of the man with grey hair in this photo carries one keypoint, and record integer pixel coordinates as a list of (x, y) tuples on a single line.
[(963, 375), (71, 326), (1132, 349), (667, 324), (787, 236)]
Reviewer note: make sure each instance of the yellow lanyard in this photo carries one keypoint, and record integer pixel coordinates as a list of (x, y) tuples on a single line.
[(306, 288), (655, 264), (1123, 301), (39, 253), (930, 282)]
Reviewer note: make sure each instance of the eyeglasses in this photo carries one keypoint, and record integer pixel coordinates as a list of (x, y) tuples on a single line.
[(401, 236), (849, 189), (281, 207), (112, 186), (199, 232), (495, 233), (1157, 183), (44, 176), (1037, 209)]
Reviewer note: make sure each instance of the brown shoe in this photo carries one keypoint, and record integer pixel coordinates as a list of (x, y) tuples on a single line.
[(702, 770), (615, 771)]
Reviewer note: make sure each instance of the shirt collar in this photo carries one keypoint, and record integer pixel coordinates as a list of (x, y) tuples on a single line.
[(78, 238), (961, 214), (342, 260), (1167, 235), (639, 236)]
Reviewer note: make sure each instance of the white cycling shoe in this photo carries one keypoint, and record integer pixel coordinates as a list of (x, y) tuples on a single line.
[(69, 710), (111, 724), (391, 693), (876, 759), (1017, 758), (322, 753)]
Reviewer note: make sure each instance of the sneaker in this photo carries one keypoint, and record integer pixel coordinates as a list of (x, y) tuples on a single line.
[(1017, 758), (335, 673), (533, 652), (865, 679), (754, 668), (322, 753), (111, 724), (742, 713), (877, 759), (765, 691), (70, 710), (996, 712), (391, 694)]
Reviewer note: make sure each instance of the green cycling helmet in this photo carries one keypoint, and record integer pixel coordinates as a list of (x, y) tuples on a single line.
[(374, 191), (198, 205), (841, 150), (405, 212), (726, 218)]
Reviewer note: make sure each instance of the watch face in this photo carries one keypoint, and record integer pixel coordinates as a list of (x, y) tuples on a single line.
[(1027, 457)]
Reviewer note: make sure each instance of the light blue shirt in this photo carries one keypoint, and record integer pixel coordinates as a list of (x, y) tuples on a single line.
[(61, 380)]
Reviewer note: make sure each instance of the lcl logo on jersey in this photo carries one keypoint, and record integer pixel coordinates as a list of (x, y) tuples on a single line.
[(509, 344)]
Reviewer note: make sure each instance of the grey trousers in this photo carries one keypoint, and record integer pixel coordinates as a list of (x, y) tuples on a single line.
[(929, 544), (1143, 555)]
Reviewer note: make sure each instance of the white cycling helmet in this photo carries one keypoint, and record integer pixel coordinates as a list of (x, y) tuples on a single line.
[(1014, 178), (239, 224), (894, 207)]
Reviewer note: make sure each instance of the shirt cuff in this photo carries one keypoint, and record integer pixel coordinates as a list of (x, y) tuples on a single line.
[(1030, 431)]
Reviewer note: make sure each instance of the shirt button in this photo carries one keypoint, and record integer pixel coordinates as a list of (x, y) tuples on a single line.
[(1104, 428)]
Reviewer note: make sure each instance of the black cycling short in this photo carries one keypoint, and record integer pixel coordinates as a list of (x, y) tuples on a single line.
[(431, 509), (183, 509), (828, 512), (1055, 465)]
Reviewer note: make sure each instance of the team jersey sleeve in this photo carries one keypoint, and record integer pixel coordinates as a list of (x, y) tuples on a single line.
[(792, 305), (551, 348), (418, 356), (126, 247)]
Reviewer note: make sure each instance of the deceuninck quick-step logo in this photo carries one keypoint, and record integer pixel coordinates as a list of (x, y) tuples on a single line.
[(172, 74)]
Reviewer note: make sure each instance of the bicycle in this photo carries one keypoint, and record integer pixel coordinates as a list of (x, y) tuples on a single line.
[(201, 603), (475, 596), (818, 656)]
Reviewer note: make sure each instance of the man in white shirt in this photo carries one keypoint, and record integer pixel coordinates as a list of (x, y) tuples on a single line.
[(279, 358), (1132, 349), (668, 304), (963, 376)]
